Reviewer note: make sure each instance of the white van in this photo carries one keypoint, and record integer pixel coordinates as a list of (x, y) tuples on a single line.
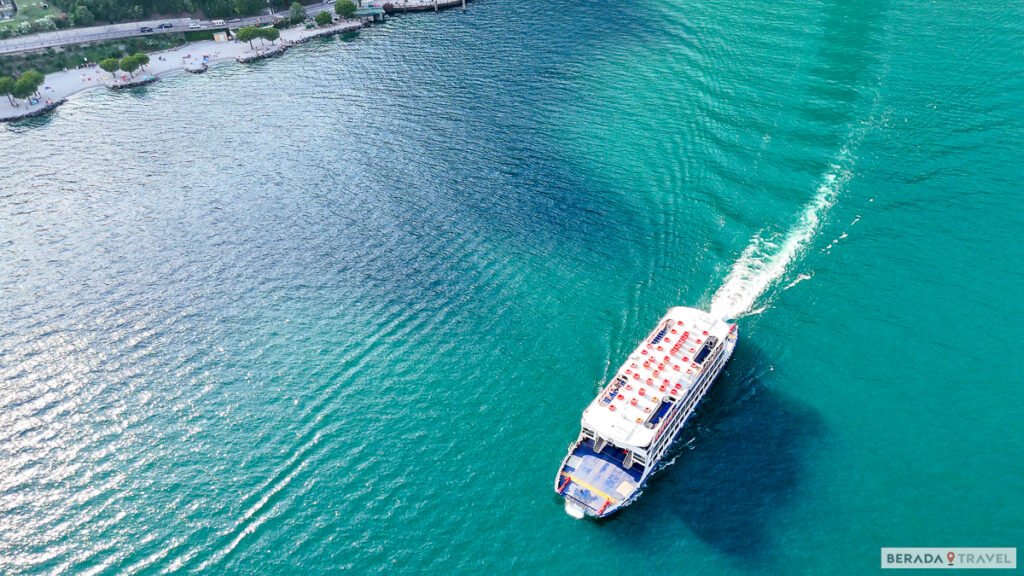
[(217, 22)]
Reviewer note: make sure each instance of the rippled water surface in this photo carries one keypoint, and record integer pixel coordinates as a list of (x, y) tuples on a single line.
[(342, 310)]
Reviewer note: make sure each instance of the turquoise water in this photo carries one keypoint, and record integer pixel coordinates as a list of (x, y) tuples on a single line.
[(342, 310)]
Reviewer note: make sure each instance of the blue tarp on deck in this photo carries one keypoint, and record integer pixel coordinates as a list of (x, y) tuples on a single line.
[(597, 477)]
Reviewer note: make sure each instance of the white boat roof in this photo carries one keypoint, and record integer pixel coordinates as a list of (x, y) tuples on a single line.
[(662, 365)]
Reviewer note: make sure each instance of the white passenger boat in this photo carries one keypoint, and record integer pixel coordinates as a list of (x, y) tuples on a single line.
[(630, 425)]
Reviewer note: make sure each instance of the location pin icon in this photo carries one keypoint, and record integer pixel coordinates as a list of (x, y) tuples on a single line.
[(950, 556)]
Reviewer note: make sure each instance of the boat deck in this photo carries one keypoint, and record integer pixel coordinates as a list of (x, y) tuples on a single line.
[(598, 480), (663, 369)]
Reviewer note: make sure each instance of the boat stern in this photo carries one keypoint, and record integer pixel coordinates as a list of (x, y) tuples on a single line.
[(596, 483), (575, 510)]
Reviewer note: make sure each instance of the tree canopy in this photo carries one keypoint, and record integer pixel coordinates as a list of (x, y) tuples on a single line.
[(83, 16), (297, 13), (243, 7), (323, 19), (270, 34), (247, 34), (110, 64), (7, 86), (21, 89), (27, 84), (130, 64), (250, 33), (345, 8)]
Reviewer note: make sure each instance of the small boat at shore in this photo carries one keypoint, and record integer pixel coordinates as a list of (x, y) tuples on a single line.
[(630, 425)]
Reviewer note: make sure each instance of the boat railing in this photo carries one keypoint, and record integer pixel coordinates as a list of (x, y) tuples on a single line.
[(682, 413)]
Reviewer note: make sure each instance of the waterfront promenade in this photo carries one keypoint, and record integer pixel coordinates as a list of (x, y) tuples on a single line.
[(192, 57), (60, 85)]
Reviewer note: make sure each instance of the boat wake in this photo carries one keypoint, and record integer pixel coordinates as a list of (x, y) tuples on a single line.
[(765, 261)]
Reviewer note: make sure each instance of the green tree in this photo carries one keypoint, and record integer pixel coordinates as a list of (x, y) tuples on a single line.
[(215, 8), (32, 78), (22, 89), (130, 64), (345, 8), (6, 87), (141, 58), (323, 19), (247, 34), (110, 65), (27, 84), (83, 17), (270, 34), (296, 12), (247, 7)]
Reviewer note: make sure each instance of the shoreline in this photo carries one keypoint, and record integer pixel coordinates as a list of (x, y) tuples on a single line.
[(58, 87)]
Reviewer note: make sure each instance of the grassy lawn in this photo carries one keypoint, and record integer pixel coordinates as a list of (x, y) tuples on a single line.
[(29, 10)]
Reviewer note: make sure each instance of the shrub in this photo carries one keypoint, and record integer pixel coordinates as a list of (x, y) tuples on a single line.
[(83, 17), (345, 8), (44, 24)]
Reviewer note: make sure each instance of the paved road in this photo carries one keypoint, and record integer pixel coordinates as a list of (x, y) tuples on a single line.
[(129, 29)]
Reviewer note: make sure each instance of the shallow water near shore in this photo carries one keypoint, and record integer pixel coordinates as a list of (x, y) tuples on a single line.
[(342, 309)]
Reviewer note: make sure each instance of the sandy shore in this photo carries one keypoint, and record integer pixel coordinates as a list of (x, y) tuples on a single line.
[(60, 85)]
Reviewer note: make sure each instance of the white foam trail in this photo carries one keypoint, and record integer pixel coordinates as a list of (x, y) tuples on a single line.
[(767, 258), (800, 278)]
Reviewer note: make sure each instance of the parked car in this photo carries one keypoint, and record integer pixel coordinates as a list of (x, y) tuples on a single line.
[(145, 29), (194, 26), (166, 25)]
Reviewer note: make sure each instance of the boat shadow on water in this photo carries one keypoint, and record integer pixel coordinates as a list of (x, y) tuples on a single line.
[(738, 464)]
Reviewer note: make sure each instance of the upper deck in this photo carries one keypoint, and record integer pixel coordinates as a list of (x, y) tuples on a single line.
[(630, 410)]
